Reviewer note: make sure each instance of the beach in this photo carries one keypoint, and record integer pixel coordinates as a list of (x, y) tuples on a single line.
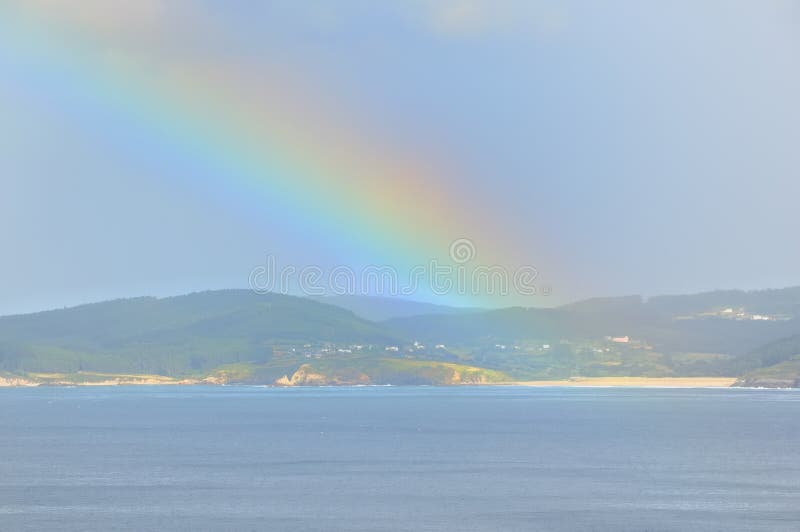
[(637, 382)]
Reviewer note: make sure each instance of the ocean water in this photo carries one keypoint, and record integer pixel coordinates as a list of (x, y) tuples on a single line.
[(399, 458)]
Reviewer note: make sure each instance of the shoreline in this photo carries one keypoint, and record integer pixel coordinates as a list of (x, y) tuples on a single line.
[(632, 382), (576, 382)]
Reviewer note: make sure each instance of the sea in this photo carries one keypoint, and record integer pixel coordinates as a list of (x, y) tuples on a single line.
[(399, 458)]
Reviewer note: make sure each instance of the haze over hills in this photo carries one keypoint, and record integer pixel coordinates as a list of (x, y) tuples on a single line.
[(173, 335), (239, 336), (732, 322), (378, 308)]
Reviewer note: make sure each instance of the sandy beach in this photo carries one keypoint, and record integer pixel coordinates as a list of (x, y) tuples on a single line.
[(638, 382)]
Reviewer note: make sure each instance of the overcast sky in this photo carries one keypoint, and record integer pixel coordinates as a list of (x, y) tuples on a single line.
[(637, 147)]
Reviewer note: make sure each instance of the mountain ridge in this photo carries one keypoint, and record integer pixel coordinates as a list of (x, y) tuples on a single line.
[(237, 335)]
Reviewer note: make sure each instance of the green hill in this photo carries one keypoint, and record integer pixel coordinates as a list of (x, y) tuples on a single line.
[(670, 324), (239, 336), (174, 336)]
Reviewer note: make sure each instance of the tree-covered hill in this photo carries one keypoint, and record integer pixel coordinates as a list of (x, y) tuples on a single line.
[(240, 336), (719, 322), (174, 335)]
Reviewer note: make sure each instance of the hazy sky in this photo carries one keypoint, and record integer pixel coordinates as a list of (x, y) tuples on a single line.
[(619, 147)]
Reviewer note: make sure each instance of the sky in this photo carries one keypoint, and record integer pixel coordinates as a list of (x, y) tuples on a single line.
[(161, 147)]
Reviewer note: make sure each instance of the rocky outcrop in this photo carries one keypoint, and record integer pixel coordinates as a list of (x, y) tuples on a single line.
[(306, 375)]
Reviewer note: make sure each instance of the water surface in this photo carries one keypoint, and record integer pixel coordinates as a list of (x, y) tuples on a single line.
[(405, 458)]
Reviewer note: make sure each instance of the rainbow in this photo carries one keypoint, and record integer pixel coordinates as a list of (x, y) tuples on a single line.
[(259, 147)]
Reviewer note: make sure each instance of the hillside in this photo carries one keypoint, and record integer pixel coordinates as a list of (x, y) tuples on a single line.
[(776, 364), (239, 336), (174, 336), (691, 323)]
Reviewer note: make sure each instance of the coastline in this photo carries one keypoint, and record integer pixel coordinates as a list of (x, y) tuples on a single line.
[(48, 380), (35, 380), (635, 382)]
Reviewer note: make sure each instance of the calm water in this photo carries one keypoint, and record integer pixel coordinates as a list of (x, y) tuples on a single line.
[(248, 458)]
